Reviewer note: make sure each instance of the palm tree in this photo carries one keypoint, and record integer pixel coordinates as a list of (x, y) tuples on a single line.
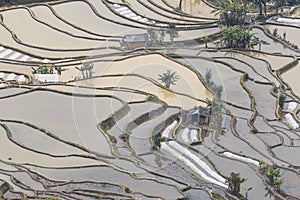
[(168, 78), (59, 69), (88, 66), (82, 69), (262, 7)]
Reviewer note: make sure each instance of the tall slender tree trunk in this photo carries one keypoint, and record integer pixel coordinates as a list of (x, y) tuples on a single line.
[(180, 5), (260, 9), (265, 7)]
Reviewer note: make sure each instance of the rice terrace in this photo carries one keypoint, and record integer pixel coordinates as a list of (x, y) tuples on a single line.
[(150, 99)]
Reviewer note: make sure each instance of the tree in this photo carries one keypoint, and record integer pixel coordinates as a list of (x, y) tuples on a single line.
[(88, 66), (59, 69), (234, 183), (238, 38), (262, 7), (205, 39), (272, 172), (168, 78), (281, 100), (180, 5), (232, 12), (86, 69), (81, 69), (172, 31)]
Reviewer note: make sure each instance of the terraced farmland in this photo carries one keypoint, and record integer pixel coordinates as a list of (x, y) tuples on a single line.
[(87, 110)]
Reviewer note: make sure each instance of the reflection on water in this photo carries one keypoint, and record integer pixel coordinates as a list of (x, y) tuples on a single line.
[(167, 94)]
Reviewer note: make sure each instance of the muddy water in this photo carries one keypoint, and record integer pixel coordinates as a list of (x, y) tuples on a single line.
[(274, 46), (65, 116), (195, 34), (162, 8), (140, 137), (288, 154), (239, 112), (28, 181), (35, 32), (149, 13), (276, 61), (44, 14), (11, 91), (221, 74), (151, 66), (260, 66), (136, 110), (261, 125), (140, 84), (291, 33), (88, 20), (270, 138), (291, 183), (244, 67), (254, 140), (265, 102), (194, 7), (125, 95), (7, 167), (110, 175), (239, 147), (16, 188), (104, 11), (7, 40), (20, 155), (291, 78), (39, 141), (227, 166)]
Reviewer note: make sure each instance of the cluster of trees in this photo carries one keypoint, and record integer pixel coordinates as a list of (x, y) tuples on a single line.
[(273, 174), (47, 69), (234, 185), (235, 32), (86, 69)]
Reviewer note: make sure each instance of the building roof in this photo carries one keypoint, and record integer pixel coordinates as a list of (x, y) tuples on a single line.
[(22, 78), (137, 38), (201, 111), (47, 78), (11, 77)]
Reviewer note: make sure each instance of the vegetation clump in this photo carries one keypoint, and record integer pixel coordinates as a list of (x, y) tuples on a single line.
[(273, 175), (86, 69)]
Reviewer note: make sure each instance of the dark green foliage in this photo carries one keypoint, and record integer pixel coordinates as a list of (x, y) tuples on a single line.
[(281, 100), (232, 12), (273, 174), (238, 38), (234, 183)]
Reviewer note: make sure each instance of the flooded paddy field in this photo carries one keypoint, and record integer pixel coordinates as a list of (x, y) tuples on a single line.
[(111, 99)]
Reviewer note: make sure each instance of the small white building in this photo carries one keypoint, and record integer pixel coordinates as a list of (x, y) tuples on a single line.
[(46, 78), (2, 74), (22, 79), (11, 77)]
